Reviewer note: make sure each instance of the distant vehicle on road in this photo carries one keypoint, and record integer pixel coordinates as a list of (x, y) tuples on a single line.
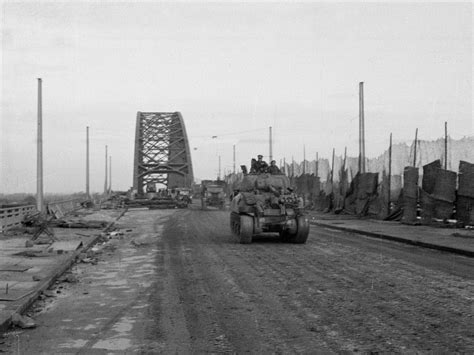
[(212, 194)]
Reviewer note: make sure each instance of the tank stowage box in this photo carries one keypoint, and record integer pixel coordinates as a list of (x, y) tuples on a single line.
[(266, 203)]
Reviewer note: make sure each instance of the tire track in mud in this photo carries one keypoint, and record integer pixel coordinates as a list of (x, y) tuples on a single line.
[(368, 301)]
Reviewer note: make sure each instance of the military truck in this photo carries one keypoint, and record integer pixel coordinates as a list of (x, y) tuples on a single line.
[(183, 197), (212, 194), (266, 203)]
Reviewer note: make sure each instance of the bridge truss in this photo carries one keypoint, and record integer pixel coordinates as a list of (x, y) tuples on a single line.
[(162, 154)]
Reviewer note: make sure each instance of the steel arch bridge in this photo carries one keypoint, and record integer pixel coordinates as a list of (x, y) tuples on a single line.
[(162, 153)]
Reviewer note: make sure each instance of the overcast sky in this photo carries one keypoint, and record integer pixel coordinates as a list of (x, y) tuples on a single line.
[(232, 70)]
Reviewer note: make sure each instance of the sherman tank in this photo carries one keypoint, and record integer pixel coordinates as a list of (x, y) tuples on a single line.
[(266, 203)]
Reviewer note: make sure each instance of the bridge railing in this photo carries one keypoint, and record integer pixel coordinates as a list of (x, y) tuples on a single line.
[(12, 216)]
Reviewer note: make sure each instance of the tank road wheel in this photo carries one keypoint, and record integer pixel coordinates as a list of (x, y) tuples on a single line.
[(301, 234), (303, 230), (246, 229)]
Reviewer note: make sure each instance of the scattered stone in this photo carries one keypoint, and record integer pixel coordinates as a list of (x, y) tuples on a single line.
[(129, 230), (58, 291), (23, 322), (71, 278), (48, 293), (85, 292), (36, 278), (29, 243)]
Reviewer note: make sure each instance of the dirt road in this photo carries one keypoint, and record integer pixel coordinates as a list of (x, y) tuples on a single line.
[(203, 292)]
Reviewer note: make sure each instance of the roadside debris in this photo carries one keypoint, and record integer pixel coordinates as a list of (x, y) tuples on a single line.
[(23, 322)]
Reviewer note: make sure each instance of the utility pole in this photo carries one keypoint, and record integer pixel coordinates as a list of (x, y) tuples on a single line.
[(284, 166), (332, 166), (317, 165), (110, 174), (292, 166), (414, 151), (219, 176), (234, 158), (304, 159), (39, 153), (361, 129), (88, 195), (389, 172), (271, 148), (105, 183), (445, 145)]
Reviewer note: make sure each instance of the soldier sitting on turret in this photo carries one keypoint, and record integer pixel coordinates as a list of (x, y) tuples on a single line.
[(253, 166), (273, 168), (261, 165)]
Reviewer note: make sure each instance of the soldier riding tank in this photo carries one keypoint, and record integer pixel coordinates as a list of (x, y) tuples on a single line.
[(266, 203)]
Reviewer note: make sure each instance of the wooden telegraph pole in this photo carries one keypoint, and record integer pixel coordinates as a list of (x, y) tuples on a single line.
[(234, 158), (88, 195), (361, 129), (389, 172), (110, 174), (445, 145), (105, 182), (39, 153), (270, 141), (414, 151)]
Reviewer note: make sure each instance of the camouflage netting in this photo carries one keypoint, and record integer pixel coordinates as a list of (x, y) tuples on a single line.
[(361, 194), (410, 194), (438, 193), (465, 198)]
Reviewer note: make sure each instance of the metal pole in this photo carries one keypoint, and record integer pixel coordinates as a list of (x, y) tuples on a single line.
[(332, 165), (105, 183), (234, 158), (271, 148), (389, 173), (345, 157), (304, 159), (416, 143), (361, 128), (110, 174), (39, 153), (88, 195), (445, 145), (317, 165)]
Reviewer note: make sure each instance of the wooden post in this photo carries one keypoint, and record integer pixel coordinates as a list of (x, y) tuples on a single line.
[(332, 166), (110, 174), (317, 165), (361, 129), (445, 145), (234, 157), (416, 143), (332, 172), (271, 148), (292, 166), (389, 173), (304, 159), (345, 157), (39, 152), (106, 172), (88, 195)]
